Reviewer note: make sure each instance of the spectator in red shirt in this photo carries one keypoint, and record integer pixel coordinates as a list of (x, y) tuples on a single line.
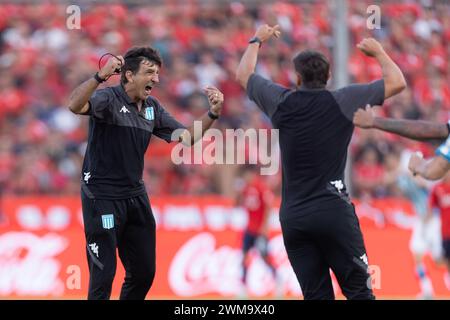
[(440, 200), (256, 199), (36, 48)]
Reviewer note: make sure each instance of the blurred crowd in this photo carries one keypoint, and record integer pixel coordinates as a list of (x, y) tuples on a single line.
[(42, 143)]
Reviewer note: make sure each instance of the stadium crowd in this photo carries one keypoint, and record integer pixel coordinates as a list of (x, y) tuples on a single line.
[(42, 143)]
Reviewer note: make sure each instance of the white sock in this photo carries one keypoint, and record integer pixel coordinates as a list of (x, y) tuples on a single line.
[(426, 286)]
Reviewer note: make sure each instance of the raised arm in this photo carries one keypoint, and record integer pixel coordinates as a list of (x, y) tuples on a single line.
[(78, 100), (394, 82), (248, 62), (413, 129), (432, 169)]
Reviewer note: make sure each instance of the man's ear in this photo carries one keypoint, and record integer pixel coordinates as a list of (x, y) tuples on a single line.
[(329, 76), (299, 79), (129, 76)]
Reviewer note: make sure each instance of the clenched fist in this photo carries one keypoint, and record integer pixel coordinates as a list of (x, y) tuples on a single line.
[(370, 47), (215, 98), (110, 67)]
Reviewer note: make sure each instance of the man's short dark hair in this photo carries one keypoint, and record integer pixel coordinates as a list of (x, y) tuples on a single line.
[(135, 56), (313, 67)]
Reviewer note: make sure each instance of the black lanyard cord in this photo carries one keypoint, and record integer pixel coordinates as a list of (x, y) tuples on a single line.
[(117, 71)]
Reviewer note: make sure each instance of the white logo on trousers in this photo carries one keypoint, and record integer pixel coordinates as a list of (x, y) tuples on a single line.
[(94, 248), (87, 176), (338, 185)]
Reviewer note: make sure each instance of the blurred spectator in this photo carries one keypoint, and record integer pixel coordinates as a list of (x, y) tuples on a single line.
[(42, 144)]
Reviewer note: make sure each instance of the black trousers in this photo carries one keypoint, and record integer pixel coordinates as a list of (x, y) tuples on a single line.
[(129, 226), (323, 239)]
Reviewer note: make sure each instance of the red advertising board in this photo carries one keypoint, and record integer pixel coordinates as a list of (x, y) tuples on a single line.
[(43, 255)]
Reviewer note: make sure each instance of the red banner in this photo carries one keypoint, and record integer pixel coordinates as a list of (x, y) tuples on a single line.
[(43, 255)]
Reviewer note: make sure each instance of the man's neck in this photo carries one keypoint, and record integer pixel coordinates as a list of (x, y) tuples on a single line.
[(311, 87), (133, 96)]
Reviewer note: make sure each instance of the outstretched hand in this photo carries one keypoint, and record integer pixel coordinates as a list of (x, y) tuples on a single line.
[(364, 118), (265, 31)]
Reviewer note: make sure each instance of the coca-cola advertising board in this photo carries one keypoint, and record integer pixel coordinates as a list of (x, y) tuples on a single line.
[(199, 240)]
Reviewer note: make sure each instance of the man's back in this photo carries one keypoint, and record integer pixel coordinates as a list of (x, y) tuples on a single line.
[(314, 135), (315, 130)]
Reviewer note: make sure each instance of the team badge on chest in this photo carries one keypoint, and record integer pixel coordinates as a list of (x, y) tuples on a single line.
[(149, 113)]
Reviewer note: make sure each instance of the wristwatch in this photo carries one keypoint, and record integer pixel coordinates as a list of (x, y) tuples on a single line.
[(212, 115), (97, 77), (255, 40)]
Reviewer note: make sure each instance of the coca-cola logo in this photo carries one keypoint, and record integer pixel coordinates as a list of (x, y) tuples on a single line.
[(200, 268), (28, 265)]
